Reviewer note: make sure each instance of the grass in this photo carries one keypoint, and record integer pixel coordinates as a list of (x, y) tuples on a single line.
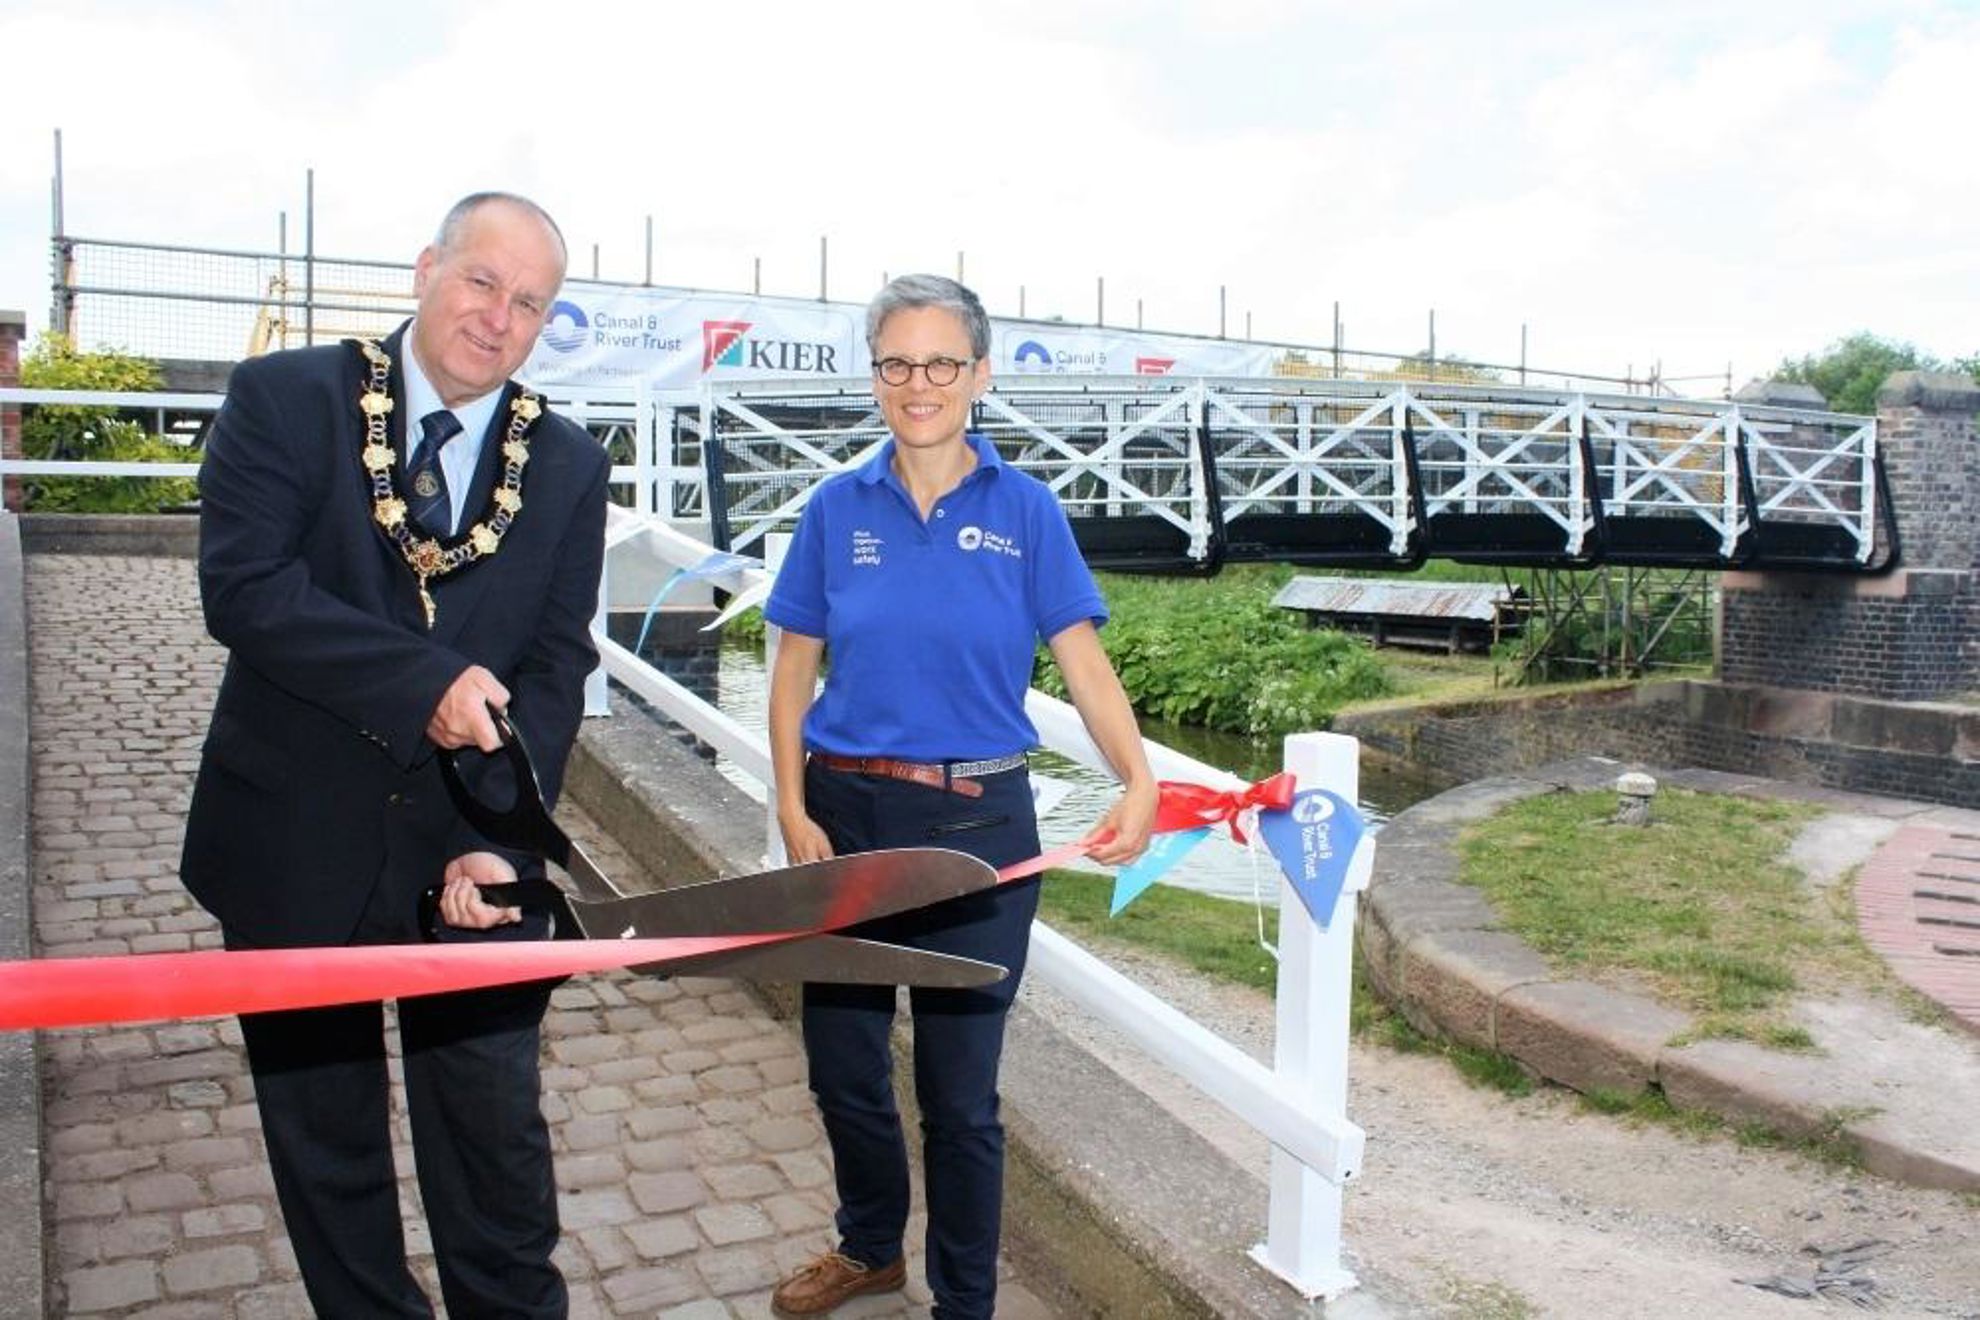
[(1483, 1299), (1214, 936), (1218, 937), (1698, 907), (1830, 1145)]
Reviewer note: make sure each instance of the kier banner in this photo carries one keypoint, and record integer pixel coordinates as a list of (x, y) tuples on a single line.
[(601, 335), (673, 339)]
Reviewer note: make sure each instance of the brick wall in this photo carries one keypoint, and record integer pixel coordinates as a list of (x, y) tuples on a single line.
[(1912, 635), (13, 329)]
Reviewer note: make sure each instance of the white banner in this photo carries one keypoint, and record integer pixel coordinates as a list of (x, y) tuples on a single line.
[(604, 335), (1032, 348), (675, 338)]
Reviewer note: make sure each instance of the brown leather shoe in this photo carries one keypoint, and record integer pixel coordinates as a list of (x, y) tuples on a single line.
[(832, 1280)]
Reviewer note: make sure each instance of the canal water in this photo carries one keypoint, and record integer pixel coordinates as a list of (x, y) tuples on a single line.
[(1217, 866)]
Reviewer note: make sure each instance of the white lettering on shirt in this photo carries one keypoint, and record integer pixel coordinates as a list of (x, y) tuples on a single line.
[(975, 538), (866, 548)]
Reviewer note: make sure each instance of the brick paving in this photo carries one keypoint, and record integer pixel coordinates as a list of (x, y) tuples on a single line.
[(691, 1166), (1918, 905)]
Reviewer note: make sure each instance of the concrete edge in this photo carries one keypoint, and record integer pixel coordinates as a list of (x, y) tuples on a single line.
[(22, 1268), (1440, 961), (147, 535), (1113, 1206)]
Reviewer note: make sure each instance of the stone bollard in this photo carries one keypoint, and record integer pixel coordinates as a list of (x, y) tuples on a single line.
[(1633, 793)]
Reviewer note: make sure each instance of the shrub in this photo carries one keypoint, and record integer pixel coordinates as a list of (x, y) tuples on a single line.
[(78, 433), (1219, 654)]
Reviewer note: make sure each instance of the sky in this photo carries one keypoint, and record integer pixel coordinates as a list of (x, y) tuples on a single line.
[(1705, 186)]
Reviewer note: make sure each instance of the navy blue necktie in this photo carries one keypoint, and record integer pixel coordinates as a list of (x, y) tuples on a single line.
[(426, 484)]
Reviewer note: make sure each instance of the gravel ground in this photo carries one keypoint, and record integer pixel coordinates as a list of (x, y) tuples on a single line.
[(1473, 1204)]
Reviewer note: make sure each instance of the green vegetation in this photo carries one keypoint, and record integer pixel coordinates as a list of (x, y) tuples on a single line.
[(1484, 1299), (1219, 938), (1214, 936), (68, 433), (1697, 907), (1830, 1144), (1850, 371), (1216, 652)]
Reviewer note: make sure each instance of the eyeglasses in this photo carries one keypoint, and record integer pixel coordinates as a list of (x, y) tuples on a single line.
[(939, 370)]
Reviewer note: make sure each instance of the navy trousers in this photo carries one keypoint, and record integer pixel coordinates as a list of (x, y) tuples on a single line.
[(958, 1035), (480, 1145)]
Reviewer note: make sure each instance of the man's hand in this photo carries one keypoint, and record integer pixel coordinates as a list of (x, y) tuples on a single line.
[(462, 719), (461, 903)]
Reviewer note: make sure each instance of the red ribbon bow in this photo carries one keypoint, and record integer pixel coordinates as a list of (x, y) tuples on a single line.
[(1192, 806)]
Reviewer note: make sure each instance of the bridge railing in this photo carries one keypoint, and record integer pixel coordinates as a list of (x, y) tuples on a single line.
[(1160, 473)]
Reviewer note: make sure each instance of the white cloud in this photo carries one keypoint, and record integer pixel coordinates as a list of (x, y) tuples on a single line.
[(1696, 185)]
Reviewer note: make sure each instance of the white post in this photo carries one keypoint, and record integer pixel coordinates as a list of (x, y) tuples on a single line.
[(598, 684), (1316, 971), (775, 546), (646, 458)]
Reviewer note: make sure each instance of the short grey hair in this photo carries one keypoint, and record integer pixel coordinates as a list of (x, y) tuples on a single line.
[(905, 292), (449, 233)]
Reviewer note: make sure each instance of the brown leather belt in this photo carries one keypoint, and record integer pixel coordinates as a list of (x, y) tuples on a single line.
[(952, 778)]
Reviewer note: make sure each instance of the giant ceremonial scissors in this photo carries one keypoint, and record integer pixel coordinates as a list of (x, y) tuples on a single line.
[(807, 902)]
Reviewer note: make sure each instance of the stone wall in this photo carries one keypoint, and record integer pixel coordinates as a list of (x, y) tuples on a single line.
[(1927, 752), (13, 329)]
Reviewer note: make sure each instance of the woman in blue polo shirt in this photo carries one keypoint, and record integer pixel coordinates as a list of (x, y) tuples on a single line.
[(928, 575)]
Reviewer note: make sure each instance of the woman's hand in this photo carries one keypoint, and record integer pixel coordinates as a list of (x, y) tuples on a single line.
[(1122, 834), (803, 840)]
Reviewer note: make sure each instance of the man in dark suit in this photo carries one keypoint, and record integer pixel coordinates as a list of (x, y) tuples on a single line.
[(394, 538)]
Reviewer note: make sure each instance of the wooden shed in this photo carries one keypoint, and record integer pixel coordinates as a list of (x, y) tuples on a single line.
[(1447, 616)]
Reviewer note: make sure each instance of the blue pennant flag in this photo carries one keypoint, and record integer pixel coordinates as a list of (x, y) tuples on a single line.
[(1164, 851), (713, 564), (1314, 840)]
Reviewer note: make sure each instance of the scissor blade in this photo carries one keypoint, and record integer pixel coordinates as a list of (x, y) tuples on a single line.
[(592, 884), (841, 960), (814, 896)]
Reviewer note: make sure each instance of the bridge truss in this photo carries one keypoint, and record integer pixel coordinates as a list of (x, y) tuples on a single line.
[(1182, 476)]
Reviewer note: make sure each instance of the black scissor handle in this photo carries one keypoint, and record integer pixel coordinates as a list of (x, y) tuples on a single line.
[(525, 825), (529, 895)]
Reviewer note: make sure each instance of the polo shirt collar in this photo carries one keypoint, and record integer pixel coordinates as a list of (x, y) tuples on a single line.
[(880, 467)]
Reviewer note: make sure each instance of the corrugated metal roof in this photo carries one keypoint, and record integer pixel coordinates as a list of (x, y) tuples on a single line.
[(1377, 596)]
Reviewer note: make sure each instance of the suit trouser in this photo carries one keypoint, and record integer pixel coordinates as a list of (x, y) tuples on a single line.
[(480, 1148), (958, 1035)]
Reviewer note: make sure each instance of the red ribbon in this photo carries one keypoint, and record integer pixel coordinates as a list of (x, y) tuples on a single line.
[(144, 987), (1181, 806), (147, 987), (1192, 806)]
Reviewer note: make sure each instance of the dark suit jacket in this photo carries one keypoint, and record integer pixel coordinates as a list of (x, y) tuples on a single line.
[(317, 782)]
